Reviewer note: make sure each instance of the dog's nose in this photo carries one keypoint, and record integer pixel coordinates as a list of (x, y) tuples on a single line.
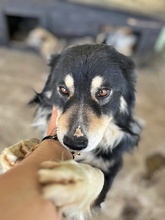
[(76, 143)]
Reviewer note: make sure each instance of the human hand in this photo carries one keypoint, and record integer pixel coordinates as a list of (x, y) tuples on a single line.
[(21, 196)]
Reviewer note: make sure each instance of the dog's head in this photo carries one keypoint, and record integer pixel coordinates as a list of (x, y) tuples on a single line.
[(92, 87)]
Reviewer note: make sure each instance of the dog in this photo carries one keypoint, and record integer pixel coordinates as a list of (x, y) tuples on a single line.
[(92, 87), (123, 39), (44, 42)]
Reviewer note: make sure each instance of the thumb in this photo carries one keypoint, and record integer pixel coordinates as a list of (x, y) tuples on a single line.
[(52, 123)]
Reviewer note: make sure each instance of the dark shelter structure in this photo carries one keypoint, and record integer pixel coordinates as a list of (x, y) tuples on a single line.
[(70, 20)]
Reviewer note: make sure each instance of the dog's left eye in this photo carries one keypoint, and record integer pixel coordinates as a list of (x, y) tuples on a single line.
[(102, 93), (64, 91)]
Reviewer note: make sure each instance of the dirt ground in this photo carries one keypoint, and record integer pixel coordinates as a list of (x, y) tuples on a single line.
[(138, 192)]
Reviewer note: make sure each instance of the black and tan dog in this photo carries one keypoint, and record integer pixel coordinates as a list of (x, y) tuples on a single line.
[(92, 87)]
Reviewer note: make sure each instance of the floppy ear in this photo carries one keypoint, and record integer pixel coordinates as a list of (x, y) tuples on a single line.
[(43, 97), (53, 59), (128, 70)]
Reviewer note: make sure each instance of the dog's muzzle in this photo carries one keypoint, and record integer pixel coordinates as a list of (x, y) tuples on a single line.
[(76, 143)]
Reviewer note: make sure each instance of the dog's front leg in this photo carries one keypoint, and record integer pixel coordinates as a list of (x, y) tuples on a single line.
[(72, 186), (12, 155)]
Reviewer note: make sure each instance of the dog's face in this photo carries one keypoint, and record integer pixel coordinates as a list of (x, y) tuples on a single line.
[(92, 87)]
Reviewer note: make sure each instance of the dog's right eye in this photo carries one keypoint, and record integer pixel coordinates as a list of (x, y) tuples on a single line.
[(64, 91), (102, 93)]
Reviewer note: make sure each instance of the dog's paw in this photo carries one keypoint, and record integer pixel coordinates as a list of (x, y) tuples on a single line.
[(70, 185), (10, 156), (63, 182)]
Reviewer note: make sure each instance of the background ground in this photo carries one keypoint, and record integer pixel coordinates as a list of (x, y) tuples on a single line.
[(138, 192)]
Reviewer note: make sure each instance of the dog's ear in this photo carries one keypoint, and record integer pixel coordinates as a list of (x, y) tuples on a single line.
[(127, 66), (43, 97), (128, 70), (53, 59)]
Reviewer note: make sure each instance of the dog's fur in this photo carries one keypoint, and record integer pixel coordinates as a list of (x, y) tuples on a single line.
[(92, 87)]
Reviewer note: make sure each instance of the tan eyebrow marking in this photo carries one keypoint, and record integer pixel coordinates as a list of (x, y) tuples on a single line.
[(96, 82), (69, 82), (95, 85)]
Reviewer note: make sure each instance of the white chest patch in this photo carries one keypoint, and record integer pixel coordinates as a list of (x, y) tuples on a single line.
[(112, 137), (90, 158)]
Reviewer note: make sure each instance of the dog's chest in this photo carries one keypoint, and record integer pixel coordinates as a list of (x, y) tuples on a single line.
[(91, 159)]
